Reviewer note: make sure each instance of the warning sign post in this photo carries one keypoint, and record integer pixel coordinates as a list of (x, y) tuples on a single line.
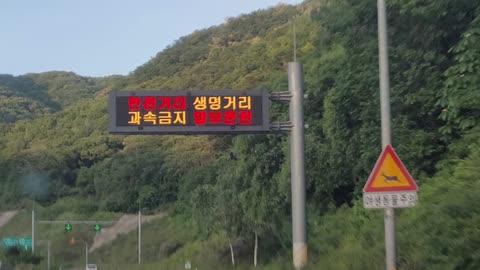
[(389, 184)]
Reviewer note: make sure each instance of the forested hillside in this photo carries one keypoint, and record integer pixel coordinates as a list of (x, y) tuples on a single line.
[(31, 95), (54, 142)]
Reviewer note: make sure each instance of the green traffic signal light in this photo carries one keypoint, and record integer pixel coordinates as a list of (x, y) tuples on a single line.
[(68, 227), (97, 227)]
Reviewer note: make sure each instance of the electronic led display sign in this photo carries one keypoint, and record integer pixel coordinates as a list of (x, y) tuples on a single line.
[(188, 112)]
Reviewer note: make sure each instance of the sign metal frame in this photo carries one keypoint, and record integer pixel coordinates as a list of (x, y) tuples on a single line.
[(195, 129)]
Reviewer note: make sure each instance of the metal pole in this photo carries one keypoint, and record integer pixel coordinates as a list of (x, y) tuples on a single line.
[(386, 129), (294, 42), (384, 73), (48, 255), (139, 236), (33, 229), (86, 253), (295, 86)]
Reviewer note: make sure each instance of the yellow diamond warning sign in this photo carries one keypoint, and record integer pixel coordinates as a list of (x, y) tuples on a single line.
[(389, 174)]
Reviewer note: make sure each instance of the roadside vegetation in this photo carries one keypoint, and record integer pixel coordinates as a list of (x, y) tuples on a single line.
[(224, 193)]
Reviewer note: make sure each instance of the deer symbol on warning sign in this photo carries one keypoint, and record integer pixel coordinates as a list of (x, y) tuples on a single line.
[(389, 178)]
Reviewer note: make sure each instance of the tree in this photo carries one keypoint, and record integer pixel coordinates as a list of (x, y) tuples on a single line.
[(460, 97)]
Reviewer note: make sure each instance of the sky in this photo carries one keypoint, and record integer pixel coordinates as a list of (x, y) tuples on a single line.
[(103, 37)]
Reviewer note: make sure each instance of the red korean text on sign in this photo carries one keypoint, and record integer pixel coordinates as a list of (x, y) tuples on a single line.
[(200, 117), (149, 103), (164, 103), (229, 117), (133, 103), (214, 117), (245, 117), (179, 103)]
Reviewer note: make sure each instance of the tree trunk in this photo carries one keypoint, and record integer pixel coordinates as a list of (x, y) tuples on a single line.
[(255, 251), (231, 251)]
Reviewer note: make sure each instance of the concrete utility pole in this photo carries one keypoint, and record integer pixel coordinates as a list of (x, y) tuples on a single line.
[(386, 129), (295, 86), (139, 236)]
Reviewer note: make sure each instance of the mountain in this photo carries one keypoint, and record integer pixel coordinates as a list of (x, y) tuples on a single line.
[(31, 95), (21, 97), (61, 143)]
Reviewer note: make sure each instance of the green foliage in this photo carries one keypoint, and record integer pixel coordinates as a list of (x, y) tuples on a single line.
[(440, 233), (15, 256), (65, 88), (54, 145), (123, 182), (452, 236), (460, 96), (240, 54), (32, 95), (21, 98)]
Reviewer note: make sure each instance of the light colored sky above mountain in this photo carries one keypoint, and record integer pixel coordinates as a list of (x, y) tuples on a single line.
[(103, 37)]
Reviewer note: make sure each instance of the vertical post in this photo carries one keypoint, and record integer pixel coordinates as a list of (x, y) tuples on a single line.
[(294, 42), (386, 129), (33, 229), (86, 253), (48, 255), (295, 86), (139, 236), (384, 73)]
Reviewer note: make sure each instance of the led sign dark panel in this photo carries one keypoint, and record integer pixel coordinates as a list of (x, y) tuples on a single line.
[(188, 112)]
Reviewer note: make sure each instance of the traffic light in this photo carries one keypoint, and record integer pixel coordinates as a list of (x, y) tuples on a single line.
[(97, 227), (68, 227)]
